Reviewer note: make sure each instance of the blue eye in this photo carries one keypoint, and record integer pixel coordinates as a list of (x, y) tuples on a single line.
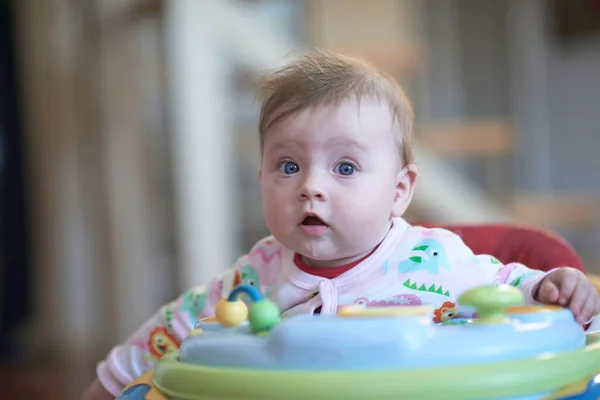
[(289, 168), (345, 169)]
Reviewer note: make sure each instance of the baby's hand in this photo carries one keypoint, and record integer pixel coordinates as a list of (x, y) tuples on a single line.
[(97, 392), (570, 288)]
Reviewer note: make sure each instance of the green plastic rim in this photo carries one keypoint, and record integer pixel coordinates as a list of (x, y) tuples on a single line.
[(543, 374)]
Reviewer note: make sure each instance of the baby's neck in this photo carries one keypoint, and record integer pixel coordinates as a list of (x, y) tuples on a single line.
[(337, 262)]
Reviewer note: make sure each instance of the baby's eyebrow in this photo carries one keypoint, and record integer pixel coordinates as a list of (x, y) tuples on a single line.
[(336, 142), (282, 144)]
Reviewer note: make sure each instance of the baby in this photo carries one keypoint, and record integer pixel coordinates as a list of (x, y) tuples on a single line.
[(337, 174)]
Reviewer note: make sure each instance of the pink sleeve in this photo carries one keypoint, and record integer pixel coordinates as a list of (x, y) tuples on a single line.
[(159, 335), (518, 275), (164, 332), (470, 270), (484, 269)]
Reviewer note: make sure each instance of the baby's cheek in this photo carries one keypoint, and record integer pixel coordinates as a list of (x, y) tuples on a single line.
[(281, 218), (272, 207), (363, 216)]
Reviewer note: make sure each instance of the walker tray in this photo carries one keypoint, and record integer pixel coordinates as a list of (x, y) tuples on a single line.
[(510, 351)]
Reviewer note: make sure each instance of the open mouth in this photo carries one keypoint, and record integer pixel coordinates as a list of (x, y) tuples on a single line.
[(313, 225), (312, 220)]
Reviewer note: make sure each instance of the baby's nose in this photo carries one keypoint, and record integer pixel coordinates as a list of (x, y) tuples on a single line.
[(312, 188), (309, 193)]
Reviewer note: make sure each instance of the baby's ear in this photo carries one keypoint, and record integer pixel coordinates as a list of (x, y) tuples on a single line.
[(405, 186)]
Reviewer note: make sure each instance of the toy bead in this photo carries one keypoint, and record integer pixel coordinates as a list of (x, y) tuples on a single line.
[(231, 313), (263, 315)]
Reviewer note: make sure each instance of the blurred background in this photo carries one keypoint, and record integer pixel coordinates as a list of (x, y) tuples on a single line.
[(129, 144)]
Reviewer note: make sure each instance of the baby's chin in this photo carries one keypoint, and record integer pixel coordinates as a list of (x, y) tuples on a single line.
[(324, 251)]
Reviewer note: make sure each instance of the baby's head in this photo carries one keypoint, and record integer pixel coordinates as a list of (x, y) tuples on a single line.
[(337, 161)]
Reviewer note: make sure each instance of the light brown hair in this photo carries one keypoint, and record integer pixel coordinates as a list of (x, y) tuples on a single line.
[(324, 78)]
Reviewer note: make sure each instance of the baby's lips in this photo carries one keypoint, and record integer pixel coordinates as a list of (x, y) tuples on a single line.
[(313, 218)]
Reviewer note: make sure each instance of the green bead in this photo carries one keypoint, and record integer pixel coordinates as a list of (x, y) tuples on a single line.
[(491, 301), (263, 315)]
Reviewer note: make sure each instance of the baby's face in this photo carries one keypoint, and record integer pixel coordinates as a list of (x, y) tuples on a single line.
[(329, 177)]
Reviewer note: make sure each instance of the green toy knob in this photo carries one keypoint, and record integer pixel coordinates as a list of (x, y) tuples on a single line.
[(263, 315), (491, 301)]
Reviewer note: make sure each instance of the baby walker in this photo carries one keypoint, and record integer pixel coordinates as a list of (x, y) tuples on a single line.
[(510, 351)]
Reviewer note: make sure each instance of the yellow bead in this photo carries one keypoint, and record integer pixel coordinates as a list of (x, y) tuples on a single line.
[(196, 331), (231, 313)]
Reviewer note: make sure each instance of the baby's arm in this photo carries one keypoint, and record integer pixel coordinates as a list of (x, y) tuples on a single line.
[(470, 270), (159, 335), (97, 392), (173, 322), (563, 286), (514, 274)]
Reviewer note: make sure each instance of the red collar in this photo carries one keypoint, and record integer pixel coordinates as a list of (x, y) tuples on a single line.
[(326, 272)]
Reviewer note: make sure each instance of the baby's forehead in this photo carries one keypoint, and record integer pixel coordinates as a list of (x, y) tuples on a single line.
[(346, 116), (334, 127)]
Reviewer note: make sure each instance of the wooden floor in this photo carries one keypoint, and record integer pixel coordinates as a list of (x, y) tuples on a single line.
[(48, 381), (41, 383)]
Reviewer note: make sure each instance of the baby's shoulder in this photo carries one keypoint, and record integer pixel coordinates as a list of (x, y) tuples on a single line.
[(419, 242), (415, 234), (263, 263), (267, 242), (267, 250)]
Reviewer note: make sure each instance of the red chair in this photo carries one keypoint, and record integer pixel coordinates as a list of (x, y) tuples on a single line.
[(533, 247)]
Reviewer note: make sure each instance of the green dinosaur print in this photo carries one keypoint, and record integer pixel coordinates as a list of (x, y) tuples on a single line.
[(518, 281), (169, 317), (193, 303), (250, 276), (430, 256), (418, 259), (422, 288), (494, 260)]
